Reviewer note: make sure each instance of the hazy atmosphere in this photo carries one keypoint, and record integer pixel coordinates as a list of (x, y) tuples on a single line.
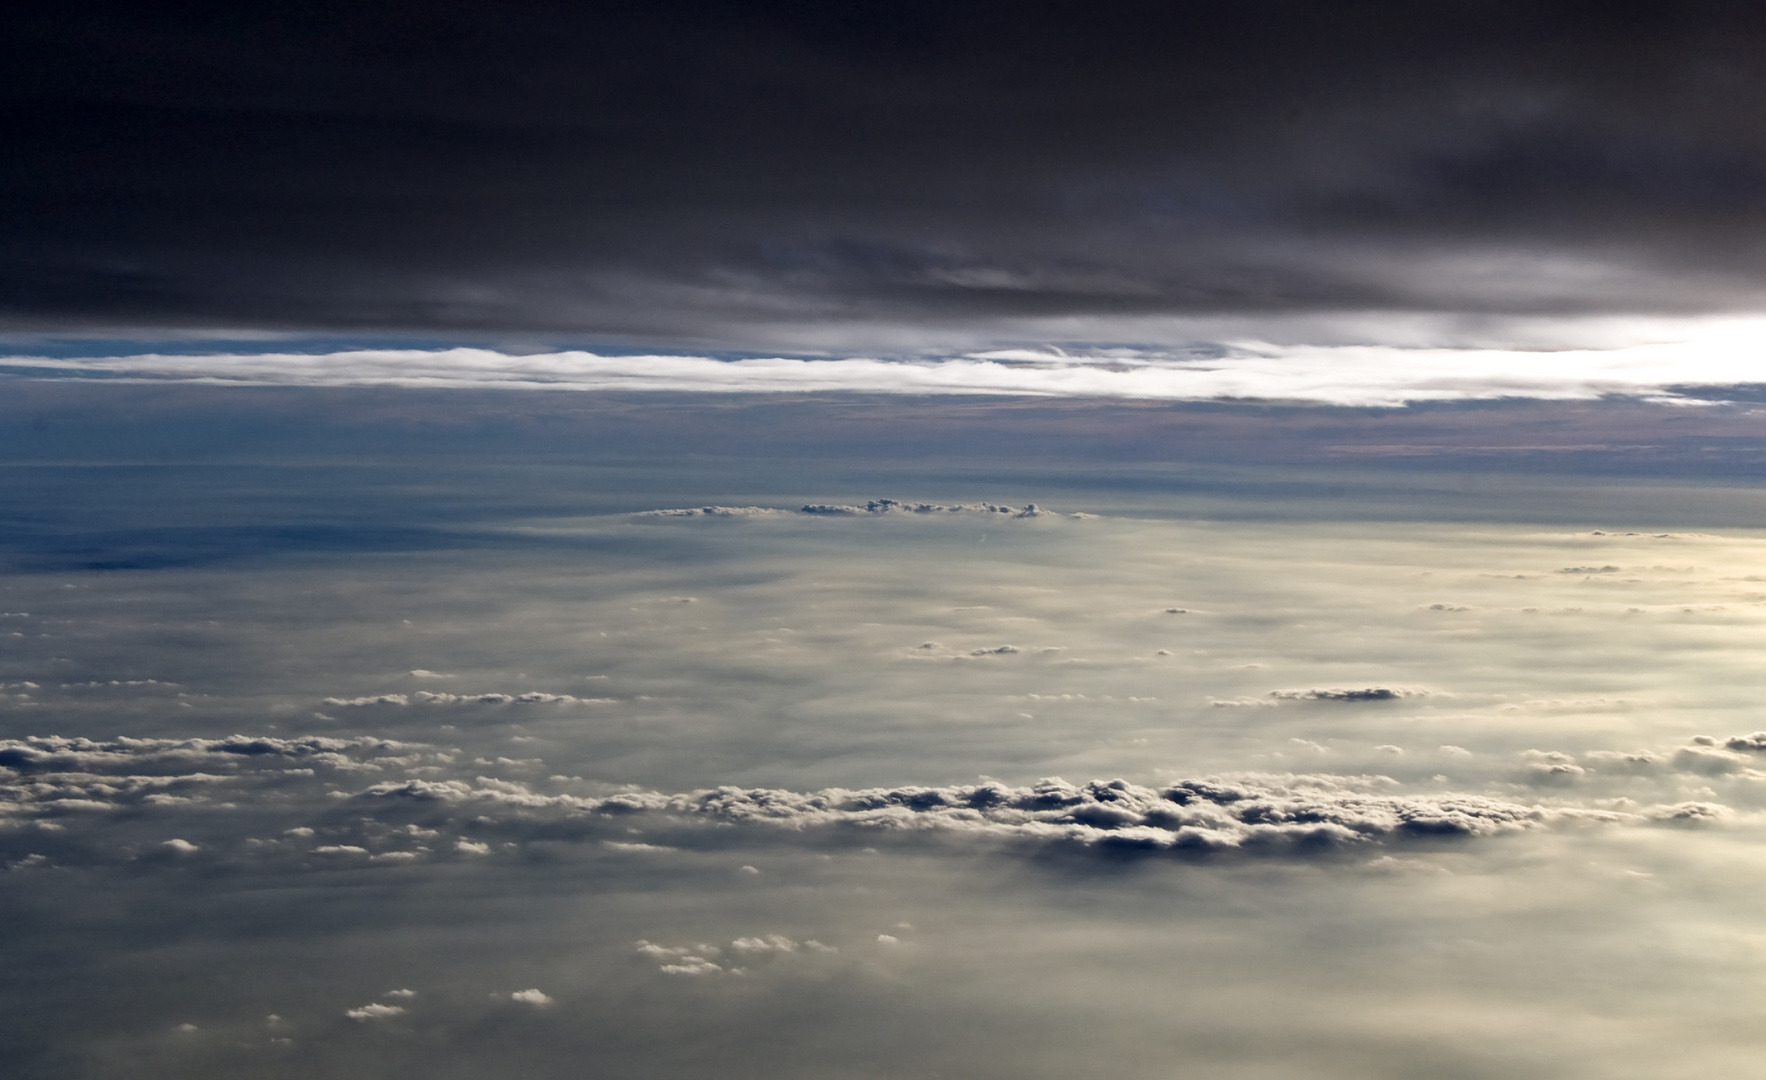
[(1183, 540)]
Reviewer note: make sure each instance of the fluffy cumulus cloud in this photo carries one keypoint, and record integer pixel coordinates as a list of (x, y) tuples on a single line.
[(431, 697), (1193, 814), (872, 508), (736, 958), (363, 702), (375, 1011), (526, 697), (309, 806), (50, 777), (1261, 813), (61, 754)]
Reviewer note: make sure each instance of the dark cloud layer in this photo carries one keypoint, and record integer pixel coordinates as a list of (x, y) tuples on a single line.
[(749, 173)]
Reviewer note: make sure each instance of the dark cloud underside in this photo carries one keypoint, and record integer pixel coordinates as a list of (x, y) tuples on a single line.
[(715, 171)]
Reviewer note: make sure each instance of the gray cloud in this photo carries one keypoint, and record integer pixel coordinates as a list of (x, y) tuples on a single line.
[(1370, 693)]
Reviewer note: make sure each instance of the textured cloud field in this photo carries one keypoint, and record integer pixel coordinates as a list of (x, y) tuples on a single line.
[(894, 787)]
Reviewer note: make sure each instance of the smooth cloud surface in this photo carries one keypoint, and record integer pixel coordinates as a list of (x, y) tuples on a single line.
[(724, 764)]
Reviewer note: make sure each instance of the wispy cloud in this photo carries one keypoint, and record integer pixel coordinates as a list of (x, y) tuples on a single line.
[(1357, 375)]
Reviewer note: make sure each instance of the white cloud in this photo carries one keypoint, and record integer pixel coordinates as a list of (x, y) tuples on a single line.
[(699, 959), (682, 959), (82, 782), (770, 943), (691, 965), (1551, 767), (375, 1011), (622, 845), (531, 996), (1249, 812), (53, 775), (719, 512), (57, 753), (526, 697), (1709, 354)]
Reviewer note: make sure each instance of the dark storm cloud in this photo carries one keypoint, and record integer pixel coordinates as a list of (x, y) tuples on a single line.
[(747, 173)]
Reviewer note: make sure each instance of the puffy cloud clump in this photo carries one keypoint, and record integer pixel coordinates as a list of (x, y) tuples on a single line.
[(706, 959), (363, 702), (375, 1011), (57, 753), (1369, 693), (527, 697), (1253, 812), (893, 506), (50, 775), (1208, 814), (871, 508), (426, 809)]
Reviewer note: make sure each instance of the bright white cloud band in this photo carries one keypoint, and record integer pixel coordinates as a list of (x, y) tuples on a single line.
[(1358, 375)]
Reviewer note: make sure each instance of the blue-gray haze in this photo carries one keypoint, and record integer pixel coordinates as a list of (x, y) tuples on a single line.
[(349, 741)]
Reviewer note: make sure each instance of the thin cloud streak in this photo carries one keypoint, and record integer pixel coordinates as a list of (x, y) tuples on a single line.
[(1347, 375)]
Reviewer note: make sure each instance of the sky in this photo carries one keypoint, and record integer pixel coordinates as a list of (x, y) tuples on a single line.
[(1193, 539)]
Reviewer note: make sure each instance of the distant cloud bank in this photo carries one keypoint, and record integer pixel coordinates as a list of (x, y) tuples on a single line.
[(1350, 375), (322, 803)]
